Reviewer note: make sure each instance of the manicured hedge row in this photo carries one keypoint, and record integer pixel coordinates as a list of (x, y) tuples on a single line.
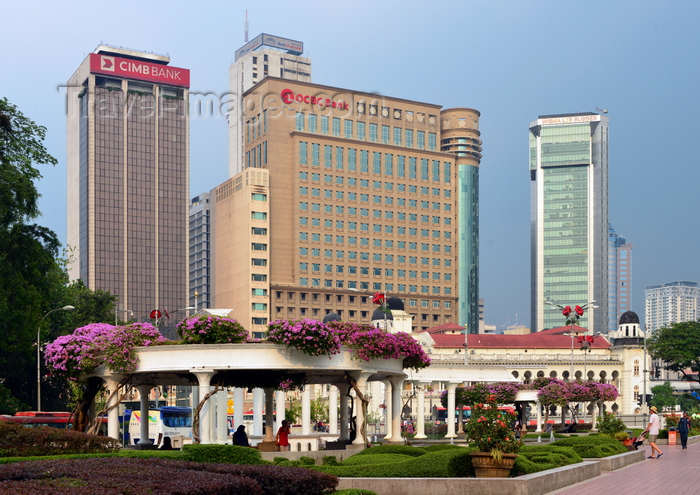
[(402, 461), (19, 441), (594, 446)]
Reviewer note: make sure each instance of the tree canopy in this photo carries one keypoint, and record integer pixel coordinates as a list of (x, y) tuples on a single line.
[(33, 279), (678, 346)]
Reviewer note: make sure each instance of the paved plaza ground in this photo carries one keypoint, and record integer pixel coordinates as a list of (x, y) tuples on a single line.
[(677, 472)]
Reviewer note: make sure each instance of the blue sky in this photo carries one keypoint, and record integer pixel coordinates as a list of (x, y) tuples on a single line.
[(511, 60)]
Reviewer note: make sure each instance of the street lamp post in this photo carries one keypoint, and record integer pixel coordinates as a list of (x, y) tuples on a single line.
[(572, 317), (38, 354)]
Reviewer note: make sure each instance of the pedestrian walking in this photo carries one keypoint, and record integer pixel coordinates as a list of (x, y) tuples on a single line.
[(684, 429), (653, 431)]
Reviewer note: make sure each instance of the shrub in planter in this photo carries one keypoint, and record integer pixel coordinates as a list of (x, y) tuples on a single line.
[(19, 441), (328, 460), (610, 424), (311, 337)]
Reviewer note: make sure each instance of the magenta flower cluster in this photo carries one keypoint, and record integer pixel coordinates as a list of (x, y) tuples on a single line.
[(78, 354), (374, 343), (208, 329), (312, 337), (559, 393), (316, 339), (504, 393)]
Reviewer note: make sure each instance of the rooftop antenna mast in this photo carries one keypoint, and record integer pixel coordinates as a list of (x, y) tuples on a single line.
[(246, 27)]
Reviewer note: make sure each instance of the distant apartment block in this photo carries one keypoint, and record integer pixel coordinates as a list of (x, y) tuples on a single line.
[(674, 302)]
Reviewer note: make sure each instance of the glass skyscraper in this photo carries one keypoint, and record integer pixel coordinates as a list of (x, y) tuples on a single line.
[(569, 217), (619, 278)]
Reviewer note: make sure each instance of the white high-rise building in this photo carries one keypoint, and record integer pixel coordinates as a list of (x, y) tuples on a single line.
[(265, 55), (569, 217), (674, 302)]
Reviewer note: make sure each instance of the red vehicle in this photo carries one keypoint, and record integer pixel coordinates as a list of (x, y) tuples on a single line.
[(41, 418)]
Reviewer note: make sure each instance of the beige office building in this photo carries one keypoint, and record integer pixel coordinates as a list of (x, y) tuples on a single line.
[(343, 194)]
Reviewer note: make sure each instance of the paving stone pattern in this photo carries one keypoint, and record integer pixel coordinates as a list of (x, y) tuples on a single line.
[(677, 472)]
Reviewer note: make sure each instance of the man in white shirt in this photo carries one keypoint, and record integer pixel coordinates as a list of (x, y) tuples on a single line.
[(653, 431)]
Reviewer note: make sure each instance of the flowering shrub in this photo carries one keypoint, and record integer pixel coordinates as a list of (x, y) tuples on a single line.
[(414, 356), (208, 329), (488, 430), (504, 392), (345, 329), (78, 354), (375, 343), (312, 337)]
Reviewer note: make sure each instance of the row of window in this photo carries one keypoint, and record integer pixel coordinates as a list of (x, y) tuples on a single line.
[(339, 298), (352, 130), (387, 243), (377, 228), (351, 284), (382, 163), (340, 180), (388, 214), (378, 272)]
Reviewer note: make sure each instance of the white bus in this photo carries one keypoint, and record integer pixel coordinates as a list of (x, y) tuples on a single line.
[(163, 422)]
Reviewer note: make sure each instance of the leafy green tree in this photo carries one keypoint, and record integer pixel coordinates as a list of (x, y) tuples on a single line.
[(663, 396), (678, 346), (28, 252), (689, 403)]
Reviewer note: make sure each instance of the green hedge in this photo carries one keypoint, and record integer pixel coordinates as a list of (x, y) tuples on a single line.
[(536, 458), (355, 491), (594, 446), (394, 449), (230, 454), (445, 463)]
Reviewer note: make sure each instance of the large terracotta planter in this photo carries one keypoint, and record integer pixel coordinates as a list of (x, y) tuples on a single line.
[(485, 466)]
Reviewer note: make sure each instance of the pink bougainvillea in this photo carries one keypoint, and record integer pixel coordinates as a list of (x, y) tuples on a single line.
[(78, 354)]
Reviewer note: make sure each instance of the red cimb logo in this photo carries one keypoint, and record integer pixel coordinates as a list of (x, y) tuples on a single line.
[(107, 63)]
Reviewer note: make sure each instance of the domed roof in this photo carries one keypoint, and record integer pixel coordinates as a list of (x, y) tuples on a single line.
[(395, 303), (381, 315), (629, 317), (331, 317)]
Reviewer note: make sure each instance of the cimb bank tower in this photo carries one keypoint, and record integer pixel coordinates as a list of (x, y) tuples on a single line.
[(341, 193), (128, 179)]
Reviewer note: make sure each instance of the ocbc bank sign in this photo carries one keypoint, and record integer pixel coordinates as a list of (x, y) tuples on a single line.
[(288, 96)]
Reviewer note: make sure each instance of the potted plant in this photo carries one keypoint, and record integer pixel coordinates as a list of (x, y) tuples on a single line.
[(496, 442)]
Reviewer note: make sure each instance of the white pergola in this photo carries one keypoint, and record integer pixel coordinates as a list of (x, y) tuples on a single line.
[(199, 365)]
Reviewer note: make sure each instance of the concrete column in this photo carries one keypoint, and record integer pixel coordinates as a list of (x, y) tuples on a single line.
[(222, 416), (144, 391), (388, 409), (258, 401), (538, 405), (361, 379), (344, 419), (333, 410), (238, 406), (204, 382), (280, 402), (269, 421), (451, 387), (396, 387), (306, 411), (420, 420), (112, 382)]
